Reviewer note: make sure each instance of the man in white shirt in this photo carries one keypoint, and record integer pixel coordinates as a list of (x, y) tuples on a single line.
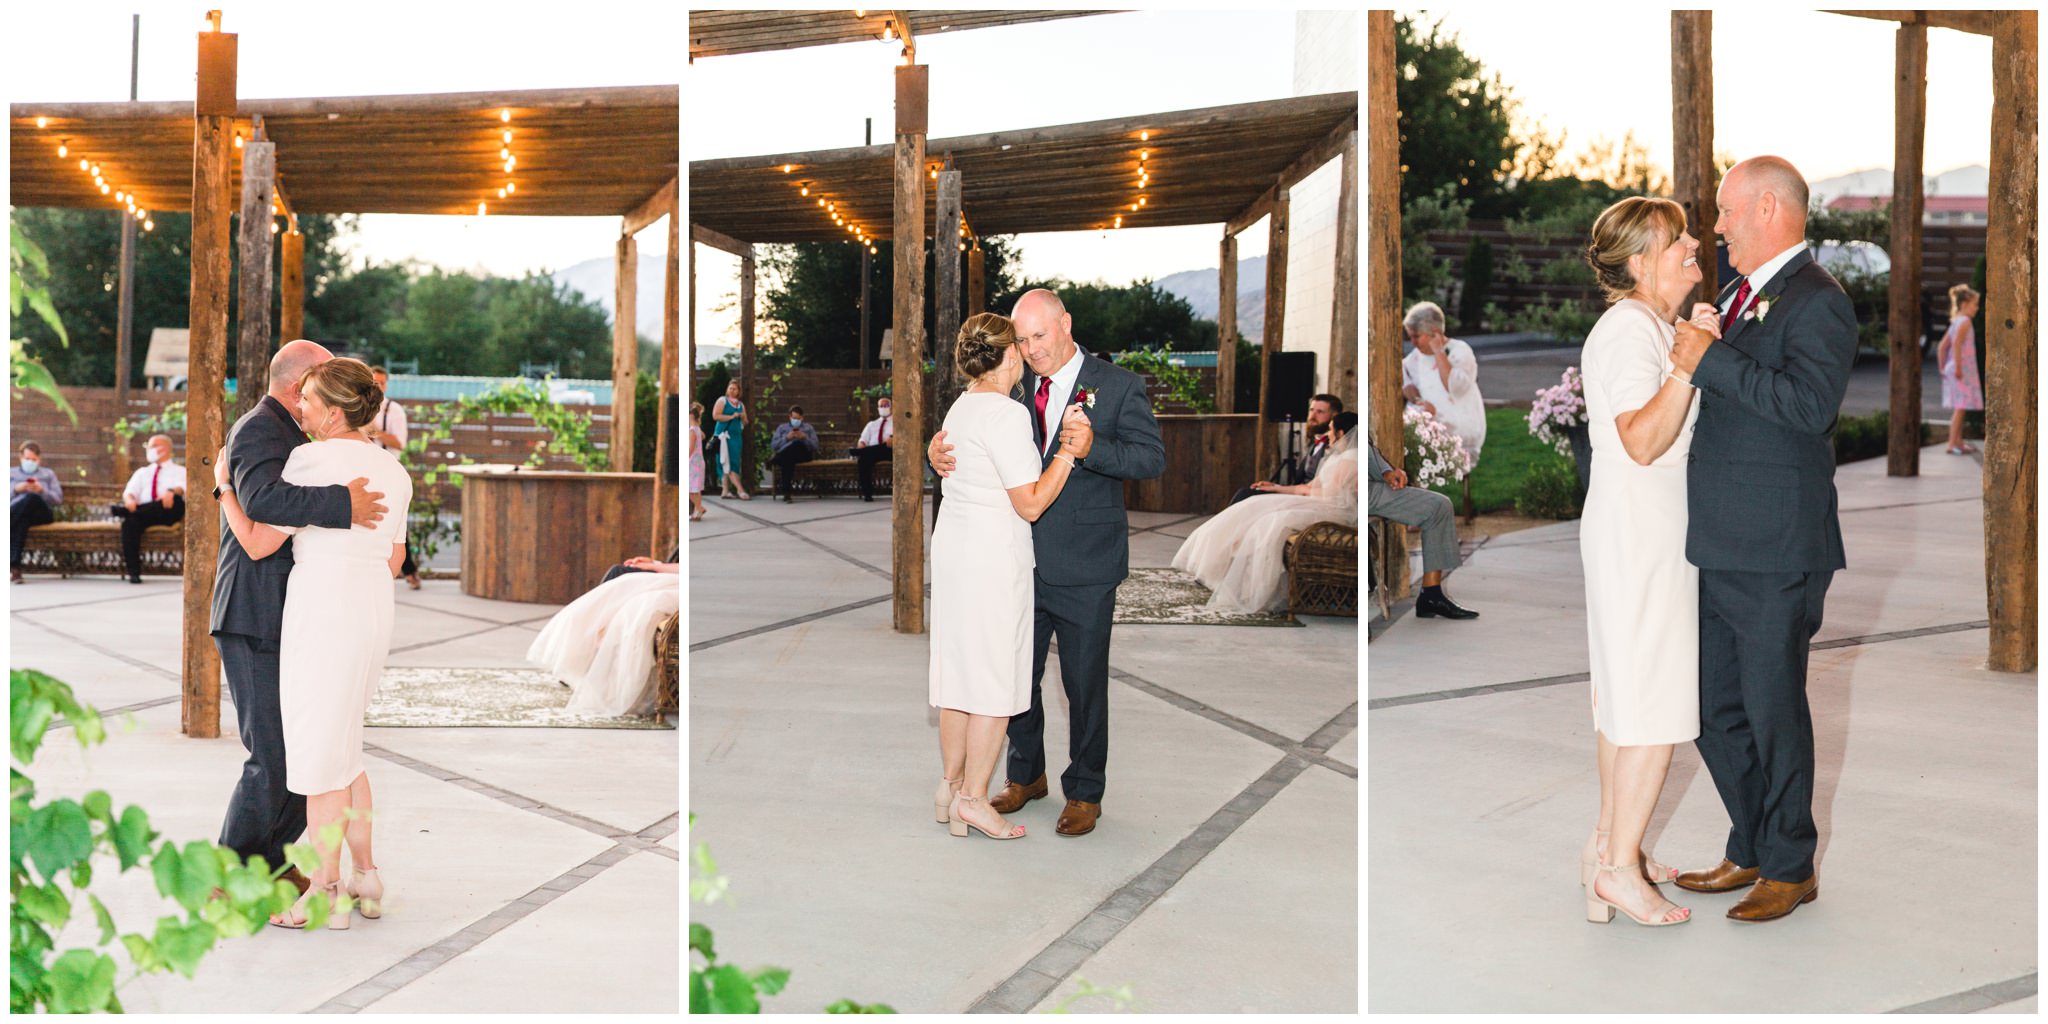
[(877, 441), (155, 496), (389, 431), (1441, 376)]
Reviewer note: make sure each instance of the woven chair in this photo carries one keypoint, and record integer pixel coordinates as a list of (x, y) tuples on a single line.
[(667, 641), (1322, 570), (1379, 581)]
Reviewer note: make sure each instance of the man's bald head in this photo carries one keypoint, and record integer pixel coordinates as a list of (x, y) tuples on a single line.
[(1039, 299), (291, 363), (1774, 176), (1045, 333), (1762, 210)]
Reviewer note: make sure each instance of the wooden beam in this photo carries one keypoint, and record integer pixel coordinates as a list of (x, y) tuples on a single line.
[(748, 456), (1326, 149), (625, 352), (690, 361), (977, 280), (1909, 134), (666, 494), (1383, 334), (1692, 130), (1251, 215), (291, 317), (124, 339), (1226, 325), (655, 208), (212, 144), (2012, 392), (252, 336), (1276, 328), (701, 235), (573, 102), (907, 374), (1981, 23), (946, 317), (1343, 375)]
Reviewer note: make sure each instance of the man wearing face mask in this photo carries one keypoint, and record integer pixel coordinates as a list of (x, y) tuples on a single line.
[(155, 496), (794, 442), (877, 440), (36, 492)]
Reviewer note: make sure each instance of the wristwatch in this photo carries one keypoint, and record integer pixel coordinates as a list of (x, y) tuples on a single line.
[(217, 488)]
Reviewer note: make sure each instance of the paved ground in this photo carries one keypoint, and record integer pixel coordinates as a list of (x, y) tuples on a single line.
[(529, 870), (1223, 875), (1483, 786)]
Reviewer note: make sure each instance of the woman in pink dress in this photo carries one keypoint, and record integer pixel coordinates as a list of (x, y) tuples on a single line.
[(1957, 357)]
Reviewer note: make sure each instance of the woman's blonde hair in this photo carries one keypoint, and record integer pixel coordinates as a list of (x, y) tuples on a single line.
[(983, 340), (1638, 225), (1957, 296), (345, 384)]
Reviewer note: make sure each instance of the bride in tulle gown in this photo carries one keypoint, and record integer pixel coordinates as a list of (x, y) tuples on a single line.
[(602, 644), (1238, 554)]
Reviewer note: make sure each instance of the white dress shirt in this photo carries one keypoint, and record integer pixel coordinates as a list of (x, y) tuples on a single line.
[(1762, 276), (879, 429), (166, 476), (1459, 405), (390, 423), (1056, 401)]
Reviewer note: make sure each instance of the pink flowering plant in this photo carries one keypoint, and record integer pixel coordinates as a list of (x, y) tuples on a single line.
[(1436, 455), (1557, 409)]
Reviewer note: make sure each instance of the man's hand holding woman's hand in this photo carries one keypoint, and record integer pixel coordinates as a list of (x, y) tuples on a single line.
[(1077, 435)]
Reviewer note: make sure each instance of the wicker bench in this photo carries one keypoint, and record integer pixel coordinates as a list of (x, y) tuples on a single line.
[(1322, 570), (842, 474), (86, 539), (667, 654)]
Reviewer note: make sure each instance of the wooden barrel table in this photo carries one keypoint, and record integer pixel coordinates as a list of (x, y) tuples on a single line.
[(548, 536), (1208, 458)]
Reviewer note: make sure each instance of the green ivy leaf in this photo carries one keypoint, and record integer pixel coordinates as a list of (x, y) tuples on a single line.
[(700, 993), (59, 836), (700, 940), (198, 875), (44, 904), (81, 874), (132, 836), (166, 869), (143, 953), (80, 981), (106, 920), (31, 719), (100, 807), (181, 945), (732, 991), (770, 980)]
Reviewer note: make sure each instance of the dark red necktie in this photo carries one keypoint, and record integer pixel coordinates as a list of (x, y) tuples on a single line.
[(1044, 396), (152, 482), (1741, 300)]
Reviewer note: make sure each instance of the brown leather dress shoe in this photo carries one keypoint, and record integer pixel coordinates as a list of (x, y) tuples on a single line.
[(1078, 819), (1013, 796), (1769, 900), (1722, 877)]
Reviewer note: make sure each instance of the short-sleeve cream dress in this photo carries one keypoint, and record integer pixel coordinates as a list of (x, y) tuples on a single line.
[(1642, 596), (982, 561)]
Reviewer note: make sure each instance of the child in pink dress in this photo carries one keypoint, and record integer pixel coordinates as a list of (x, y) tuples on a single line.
[(1957, 357), (696, 462)]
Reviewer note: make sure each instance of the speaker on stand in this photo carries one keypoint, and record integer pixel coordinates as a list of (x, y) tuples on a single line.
[(1290, 383)]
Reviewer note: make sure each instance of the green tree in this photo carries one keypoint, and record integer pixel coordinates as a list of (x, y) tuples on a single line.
[(813, 298), (1456, 119), (1117, 318)]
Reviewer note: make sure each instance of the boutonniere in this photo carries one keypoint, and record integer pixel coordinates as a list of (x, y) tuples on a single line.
[(1761, 308), (1085, 397)]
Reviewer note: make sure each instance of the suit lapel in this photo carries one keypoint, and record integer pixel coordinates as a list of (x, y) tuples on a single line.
[(1773, 287)]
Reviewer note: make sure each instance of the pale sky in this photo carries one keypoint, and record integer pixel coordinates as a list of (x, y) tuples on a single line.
[(78, 51), (1811, 87)]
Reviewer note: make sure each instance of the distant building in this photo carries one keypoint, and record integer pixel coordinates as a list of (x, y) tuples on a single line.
[(1973, 210)]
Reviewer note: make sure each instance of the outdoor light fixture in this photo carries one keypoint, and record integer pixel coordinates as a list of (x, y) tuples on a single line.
[(511, 188), (479, 209), (504, 154), (238, 141), (83, 164), (505, 115), (1145, 136), (511, 162), (806, 190), (821, 202), (42, 122), (64, 149), (508, 136), (786, 168), (501, 193)]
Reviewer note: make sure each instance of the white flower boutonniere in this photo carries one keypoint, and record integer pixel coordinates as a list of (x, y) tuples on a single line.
[(1761, 308)]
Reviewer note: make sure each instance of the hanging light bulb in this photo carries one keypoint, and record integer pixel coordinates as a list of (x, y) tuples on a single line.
[(821, 201), (480, 208), (1119, 221), (95, 170), (63, 149), (1141, 200), (148, 225), (511, 188), (1145, 136), (501, 193), (273, 227), (504, 153), (508, 136), (1143, 153), (42, 122), (83, 164), (511, 162), (786, 168), (120, 197), (238, 142), (806, 190), (103, 188), (505, 115)]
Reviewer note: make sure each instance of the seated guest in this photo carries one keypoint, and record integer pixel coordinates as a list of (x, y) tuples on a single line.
[(36, 492), (1389, 497), (1441, 376), (794, 442), (1320, 410), (1240, 554), (155, 496), (602, 644), (642, 563), (877, 440)]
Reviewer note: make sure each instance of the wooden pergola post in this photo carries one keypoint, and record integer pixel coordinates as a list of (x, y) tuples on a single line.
[(1383, 272), (1902, 447), (252, 338), (1268, 455), (2011, 418), (946, 320), (907, 378), (213, 126), (690, 363), (1692, 130), (124, 334), (1226, 325), (625, 351), (748, 457), (1343, 375), (666, 494), (977, 279), (291, 313)]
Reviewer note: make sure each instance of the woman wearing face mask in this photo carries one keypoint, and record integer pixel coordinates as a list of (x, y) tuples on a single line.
[(337, 624)]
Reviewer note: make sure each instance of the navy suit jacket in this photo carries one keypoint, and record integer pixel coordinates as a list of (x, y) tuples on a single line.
[(248, 594), (1760, 479), (1084, 536)]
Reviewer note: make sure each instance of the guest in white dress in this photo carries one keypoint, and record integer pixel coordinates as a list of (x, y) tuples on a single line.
[(602, 644), (1239, 554), (982, 564), (337, 625), (1642, 596)]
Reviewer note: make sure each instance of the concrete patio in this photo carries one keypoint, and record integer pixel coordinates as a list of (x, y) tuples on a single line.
[(1223, 875), (1483, 787), (529, 870)]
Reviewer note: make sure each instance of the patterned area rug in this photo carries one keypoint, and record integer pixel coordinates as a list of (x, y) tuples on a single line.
[(1169, 597), (489, 698)]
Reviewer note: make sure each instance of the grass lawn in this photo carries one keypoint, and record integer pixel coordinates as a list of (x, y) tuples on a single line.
[(1511, 451)]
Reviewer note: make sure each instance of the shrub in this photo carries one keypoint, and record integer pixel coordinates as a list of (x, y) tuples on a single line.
[(1550, 491)]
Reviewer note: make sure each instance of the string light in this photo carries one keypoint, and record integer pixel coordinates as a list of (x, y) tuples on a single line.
[(505, 154), (238, 140), (63, 149), (83, 164), (786, 168), (480, 208), (42, 122), (508, 136), (148, 225), (806, 190), (273, 227), (511, 188), (501, 193), (505, 115), (511, 162), (1144, 136)]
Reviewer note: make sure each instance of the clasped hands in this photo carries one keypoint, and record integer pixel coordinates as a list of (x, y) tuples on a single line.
[(1694, 336), (363, 507), (1077, 439)]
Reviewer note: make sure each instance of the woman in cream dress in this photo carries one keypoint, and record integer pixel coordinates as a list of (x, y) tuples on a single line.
[(336, 632), (602, 644), (1642, 596), (1239, 554), (982, 563)]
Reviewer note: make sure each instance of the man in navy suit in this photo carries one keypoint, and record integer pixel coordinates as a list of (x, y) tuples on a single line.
[(1762, 528)]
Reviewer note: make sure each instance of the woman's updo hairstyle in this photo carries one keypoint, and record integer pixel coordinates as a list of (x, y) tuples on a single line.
[(1957, 297), (983, 340), (1638, 225), (345, 384)]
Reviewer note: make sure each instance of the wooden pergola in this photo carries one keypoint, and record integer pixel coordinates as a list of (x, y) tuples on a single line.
[(722, 33), (1231, 165), (578, 152), (2011, 399)]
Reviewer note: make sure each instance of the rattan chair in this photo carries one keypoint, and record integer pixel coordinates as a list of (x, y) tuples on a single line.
[(667, 641), (1322, 570), (1379, 580)]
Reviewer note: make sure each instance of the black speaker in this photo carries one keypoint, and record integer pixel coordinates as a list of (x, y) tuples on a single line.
[(1290, 383)]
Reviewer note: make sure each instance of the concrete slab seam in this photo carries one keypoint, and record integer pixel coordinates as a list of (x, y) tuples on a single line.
[(814, 542), (1234, 723), (82, 604), (465, 615), (175, 677), (424, 644), (503, 796), (1983, 997), (705, 645), (145, 705)]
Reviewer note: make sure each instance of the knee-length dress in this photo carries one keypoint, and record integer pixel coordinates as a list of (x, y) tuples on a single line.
[(982, 562), (1962, 349), (1642, 596), (336, 635), (696, 459), (731, 435)]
